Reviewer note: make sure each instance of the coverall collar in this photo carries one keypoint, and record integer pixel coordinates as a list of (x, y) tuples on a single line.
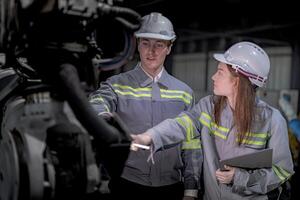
[(144, 80)]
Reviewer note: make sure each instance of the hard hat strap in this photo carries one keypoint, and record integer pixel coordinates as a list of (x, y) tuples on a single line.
[(248, 74)]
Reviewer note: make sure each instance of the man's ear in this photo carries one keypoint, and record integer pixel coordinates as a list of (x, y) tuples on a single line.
[(137, 44), (169, 49), (138, 49)]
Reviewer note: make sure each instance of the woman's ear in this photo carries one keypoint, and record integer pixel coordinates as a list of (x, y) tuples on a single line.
[(236, 82)]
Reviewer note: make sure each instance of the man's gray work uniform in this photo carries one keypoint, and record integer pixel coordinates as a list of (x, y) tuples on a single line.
[(142, 104)]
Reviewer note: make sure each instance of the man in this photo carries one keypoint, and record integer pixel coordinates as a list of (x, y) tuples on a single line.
[(143, 97)]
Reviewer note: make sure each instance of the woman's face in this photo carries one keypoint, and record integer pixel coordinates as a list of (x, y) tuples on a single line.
[(225, 84)]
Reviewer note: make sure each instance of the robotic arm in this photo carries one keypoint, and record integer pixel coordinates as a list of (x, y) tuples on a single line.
[(52, 56)]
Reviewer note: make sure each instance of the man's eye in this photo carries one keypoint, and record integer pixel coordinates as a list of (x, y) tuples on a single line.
[(145, 44), (160, 45)]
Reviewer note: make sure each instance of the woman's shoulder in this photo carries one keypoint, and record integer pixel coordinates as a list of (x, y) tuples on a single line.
[(268, 111), (206, 103), (207, 99)]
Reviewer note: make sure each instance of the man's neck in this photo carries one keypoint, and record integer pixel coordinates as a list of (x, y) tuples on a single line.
[(155, 74), (152, 73)]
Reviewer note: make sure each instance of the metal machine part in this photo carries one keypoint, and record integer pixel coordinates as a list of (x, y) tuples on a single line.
[(51, 141)]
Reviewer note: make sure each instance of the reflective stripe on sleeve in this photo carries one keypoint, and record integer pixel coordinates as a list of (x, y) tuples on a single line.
[(255, 140), (282, 174), (220, 131), (191, 142), (99, 100)]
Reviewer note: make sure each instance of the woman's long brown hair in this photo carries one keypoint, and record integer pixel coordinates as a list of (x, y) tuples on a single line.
[(244, 106)]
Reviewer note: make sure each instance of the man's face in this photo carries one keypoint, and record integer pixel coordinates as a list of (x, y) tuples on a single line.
[(153, 53)]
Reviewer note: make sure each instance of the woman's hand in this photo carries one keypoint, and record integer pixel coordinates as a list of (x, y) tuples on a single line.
[(225, 177)]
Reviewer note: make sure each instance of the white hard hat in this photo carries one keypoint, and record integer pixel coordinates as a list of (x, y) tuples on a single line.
[(248, 59), (156, 26)]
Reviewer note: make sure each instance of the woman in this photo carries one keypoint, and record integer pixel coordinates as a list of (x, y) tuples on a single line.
[(233, 122)]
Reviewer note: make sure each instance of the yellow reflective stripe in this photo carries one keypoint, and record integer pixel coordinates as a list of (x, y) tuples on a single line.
[(177, 92), (219, 134), (188, 126), (180, 121), (207, 116), (187, 101), (132, 94), (247, 141), (212, 131), (278, 173), (106, 107), (210, 124), (133, 91), (97, 99), (190, 134), (192, 144), (284, 172), (187, 123), (220, 127), (258, 135), (131, 88), (205, 123), (281, 173)]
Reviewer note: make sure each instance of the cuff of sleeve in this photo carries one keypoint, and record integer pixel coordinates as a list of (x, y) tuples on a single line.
[(240, 180), (156, 139), (105, 114), (191, 193)]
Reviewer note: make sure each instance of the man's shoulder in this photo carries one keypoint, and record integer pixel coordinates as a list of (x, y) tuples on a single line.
[(179, 84), (122, 77)]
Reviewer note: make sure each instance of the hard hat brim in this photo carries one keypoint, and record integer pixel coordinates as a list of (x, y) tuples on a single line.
[(154, 36), (220, 57)]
